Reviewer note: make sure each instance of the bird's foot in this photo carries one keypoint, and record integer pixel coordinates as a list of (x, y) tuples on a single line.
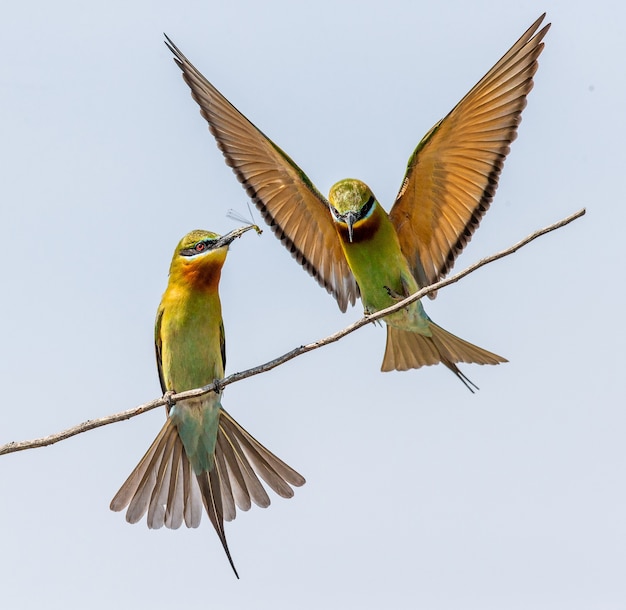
[(217, 386), (167, 397), (396, 296), (368, 312)]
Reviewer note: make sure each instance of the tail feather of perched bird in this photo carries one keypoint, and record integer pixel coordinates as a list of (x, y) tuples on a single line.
[(347, 242), (201, 456)]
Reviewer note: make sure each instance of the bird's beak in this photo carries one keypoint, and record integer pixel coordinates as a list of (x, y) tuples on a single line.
[(225, 240), (350, 219)]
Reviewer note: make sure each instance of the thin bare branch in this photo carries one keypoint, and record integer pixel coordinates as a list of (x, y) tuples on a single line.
[(298, 351)]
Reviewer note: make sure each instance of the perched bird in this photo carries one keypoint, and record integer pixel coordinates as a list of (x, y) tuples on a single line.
[(201, 455), (348, 243)]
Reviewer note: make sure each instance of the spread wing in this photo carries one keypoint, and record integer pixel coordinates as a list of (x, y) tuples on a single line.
[(453, 173), (294, 209)]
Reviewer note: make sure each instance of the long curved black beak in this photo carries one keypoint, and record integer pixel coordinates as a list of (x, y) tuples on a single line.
[(226, 240), (350, 220)]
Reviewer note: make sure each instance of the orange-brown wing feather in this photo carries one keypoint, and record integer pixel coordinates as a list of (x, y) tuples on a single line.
[(453, 173), (294, 209)]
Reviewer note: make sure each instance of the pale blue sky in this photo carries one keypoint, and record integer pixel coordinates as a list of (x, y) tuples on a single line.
[(418, 494)]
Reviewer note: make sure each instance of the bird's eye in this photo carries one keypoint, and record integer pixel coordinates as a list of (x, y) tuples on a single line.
[(200, 247)]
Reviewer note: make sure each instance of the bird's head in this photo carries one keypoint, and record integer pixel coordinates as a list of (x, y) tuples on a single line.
[(350, 201), (200, 255)]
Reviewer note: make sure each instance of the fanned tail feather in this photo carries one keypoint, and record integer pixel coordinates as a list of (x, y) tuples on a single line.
[(411, 350), (240, 460), (167, 502), (164, 485)]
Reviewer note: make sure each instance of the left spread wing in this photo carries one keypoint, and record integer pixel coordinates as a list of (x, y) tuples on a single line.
[(453, 173), (295, 210)]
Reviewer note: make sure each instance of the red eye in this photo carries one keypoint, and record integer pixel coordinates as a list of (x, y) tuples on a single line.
[(200, 247)]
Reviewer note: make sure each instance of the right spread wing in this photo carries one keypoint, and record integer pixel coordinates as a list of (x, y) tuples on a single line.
[(452, 176)]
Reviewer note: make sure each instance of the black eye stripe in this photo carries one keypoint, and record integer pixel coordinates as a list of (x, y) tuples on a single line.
[(367, 208), (362, 213), (199, 248)]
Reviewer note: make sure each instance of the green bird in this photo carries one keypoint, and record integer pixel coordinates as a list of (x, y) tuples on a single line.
[(201, 455), (348, 243)]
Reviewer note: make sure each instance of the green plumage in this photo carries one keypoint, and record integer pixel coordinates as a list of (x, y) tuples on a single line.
[(190, 333), (201, 457), (373, 252), (375, 257)]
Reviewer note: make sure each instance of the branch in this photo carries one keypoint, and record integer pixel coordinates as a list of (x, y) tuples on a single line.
[(298, 351)]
